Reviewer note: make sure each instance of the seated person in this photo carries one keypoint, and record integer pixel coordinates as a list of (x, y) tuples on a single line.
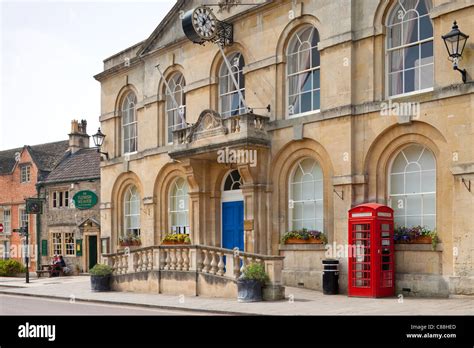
[(62, 264), (56, 266), (59, 266)]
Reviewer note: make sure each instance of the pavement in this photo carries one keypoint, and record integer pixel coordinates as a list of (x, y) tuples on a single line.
[(298, 302), (20, 305)]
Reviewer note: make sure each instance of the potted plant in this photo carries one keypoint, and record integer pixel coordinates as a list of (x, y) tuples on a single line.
[(304, 236), (250, 283), (415, 235), (175, 238), (100, 277), (130, 240)]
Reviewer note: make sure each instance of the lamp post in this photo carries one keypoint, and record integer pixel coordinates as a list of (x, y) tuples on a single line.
[(98, 141), (455, 42)]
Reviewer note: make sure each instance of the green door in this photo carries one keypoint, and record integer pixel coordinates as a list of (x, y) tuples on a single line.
[(92, 251)]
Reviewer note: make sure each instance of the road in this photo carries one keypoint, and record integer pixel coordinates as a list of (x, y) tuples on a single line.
[(25, 305)]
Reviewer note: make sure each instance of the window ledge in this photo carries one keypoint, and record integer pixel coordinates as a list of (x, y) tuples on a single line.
[(410, 94), (302, 247), (302, 114), (418, 247)]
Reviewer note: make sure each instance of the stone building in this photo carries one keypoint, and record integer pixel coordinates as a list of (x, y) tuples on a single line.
[(20, 170), (364, 106), (70, 223)]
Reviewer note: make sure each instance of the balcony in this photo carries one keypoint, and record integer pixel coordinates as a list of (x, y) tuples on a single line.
[(212, 132)]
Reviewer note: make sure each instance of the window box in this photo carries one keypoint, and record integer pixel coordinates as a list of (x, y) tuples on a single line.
[(130, 240), (130, 243), (303, 241), (304, 236), (415, 235), (417, 240), (176, 239), (168, 242)]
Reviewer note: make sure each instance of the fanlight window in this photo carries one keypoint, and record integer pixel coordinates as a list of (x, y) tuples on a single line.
[(412, 192), (303, 72), (410, 47), (233, 181)]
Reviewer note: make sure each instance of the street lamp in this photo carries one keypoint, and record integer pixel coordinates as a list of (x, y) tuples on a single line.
[(98, 141), (455, 42)]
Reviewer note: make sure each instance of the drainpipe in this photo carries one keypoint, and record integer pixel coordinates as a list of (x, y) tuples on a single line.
[(38, 232)]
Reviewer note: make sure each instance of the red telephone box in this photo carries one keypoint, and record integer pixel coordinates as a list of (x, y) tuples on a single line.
[(371, 258)]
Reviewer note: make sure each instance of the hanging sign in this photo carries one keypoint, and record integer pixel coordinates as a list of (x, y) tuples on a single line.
[(85, 199)]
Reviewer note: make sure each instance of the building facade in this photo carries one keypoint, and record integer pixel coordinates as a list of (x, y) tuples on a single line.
[(352, 102), (20, 170), (70, 223)]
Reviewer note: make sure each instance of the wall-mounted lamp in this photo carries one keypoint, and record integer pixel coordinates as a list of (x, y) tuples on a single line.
[(98, 141), (455, 42)]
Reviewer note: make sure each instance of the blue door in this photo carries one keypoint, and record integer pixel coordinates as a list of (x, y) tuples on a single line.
[(233, 225)]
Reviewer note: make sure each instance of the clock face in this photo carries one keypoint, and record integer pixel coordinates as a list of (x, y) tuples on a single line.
[(204, 22)]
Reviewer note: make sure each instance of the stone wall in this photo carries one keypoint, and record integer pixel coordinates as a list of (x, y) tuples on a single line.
[(179, 283), (69, 220), (418, 268), (351, 139)]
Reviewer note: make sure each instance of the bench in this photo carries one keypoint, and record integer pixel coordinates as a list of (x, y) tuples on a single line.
[(46, 269), (40, 273)]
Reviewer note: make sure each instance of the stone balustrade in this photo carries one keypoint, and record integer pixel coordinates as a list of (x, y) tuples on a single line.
[(198, 258)]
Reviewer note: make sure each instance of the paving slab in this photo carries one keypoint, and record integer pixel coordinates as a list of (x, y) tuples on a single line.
[(298, 302)]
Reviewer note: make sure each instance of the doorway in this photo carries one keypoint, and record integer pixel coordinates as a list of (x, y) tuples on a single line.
[(233, 212), (92, 252)]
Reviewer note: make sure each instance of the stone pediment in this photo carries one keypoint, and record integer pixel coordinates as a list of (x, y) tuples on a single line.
[(209, 124), (170, 28)]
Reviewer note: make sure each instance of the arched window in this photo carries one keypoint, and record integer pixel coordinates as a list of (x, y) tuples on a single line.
[(303, 72), (306, 196), (131, 209), (179, 207), (229, 100), (412, 191), (176, 112), (409, 47), (129, 123), (233, 181)]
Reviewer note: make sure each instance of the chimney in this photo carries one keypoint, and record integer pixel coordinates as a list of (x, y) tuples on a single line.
[(78, 138)]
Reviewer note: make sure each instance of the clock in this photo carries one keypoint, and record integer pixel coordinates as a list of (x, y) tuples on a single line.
[(200, 25)]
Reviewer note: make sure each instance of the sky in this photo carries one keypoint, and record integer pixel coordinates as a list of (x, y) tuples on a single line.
[(49, 53)]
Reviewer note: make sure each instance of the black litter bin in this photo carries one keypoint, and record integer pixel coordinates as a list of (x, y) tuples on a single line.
[(331, 277)]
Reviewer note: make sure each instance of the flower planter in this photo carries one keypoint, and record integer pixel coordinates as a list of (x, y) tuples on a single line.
[(100, 283), (418, 240), (249, 290), (130, 247), (303, 241), (167, 242), (130, 244)]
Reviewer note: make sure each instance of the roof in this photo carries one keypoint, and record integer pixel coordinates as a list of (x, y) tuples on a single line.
[(82, 165), (370, 206), (7, 160), (45, 156)]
